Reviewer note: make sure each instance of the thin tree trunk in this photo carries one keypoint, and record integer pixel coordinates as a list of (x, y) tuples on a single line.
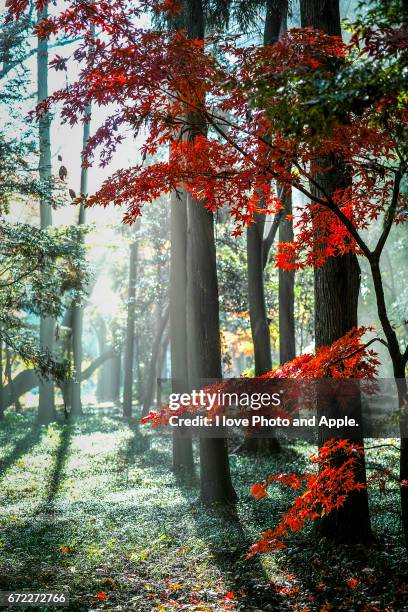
[(116, 376), (46, 407), (275, 27), (130, 333), (257, 256), (256, 297), (150, 385), (9, 377), (160, 365), (337, 285), (78, 310), (399, 361), (287, 346)]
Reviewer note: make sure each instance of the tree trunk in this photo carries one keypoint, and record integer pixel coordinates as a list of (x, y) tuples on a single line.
[(46, 407), (130, 333), (203, 347), (287, 347), (256, 297), (164, 345), (116, 376), (182, 443), (9, 377), (78, 310), (275, 24), (183, 461), (337, 285), (399, 373), (275, 27), (399, 362), (203, 341), (150, 386)]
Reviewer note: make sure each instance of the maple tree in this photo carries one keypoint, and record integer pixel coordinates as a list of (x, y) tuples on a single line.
[(257, 114)]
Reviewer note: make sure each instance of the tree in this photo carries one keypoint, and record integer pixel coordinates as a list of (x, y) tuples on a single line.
[(163, 317), (232, 159), (337, 285), (203, 330), (130, 330), (77, 309), (46, 407), (182, 443), (258, 248)]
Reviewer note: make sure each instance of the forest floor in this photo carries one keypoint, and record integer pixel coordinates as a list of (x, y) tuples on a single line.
[(92, 508)]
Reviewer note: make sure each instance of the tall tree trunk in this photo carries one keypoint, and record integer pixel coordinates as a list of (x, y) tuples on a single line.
[(275, 27), (78, 310), (337, 285), (150, 385), (130, 333), (183, 461), (204, 349), (203, 326), (257, 255), (275, 23), (46, 407), (182, 443)]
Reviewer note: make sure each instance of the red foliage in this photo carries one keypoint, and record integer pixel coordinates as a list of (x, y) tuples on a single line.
[(324, 489), (347, 357), (162, 84)]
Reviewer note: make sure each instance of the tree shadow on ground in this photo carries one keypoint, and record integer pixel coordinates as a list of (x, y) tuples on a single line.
[(229, 545), (325, 571), (57, 473)]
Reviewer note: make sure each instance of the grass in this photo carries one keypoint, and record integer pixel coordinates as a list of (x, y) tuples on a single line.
[(93, 507)]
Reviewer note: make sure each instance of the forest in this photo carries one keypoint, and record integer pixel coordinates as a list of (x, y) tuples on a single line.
[(203, 305)]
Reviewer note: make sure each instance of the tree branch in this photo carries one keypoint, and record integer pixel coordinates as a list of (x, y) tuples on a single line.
[(270, 238), (390, 215)]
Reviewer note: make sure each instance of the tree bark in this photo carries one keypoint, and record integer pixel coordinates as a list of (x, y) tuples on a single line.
[(337, 285), (9, 377), (77, 309), (399, 362), (164, 345), (46, 407), (150, 385), (204, 349), (257, 255), (130, 333), (183, 461), (203, 342), (182, 443), (256, 297), (287, 346)]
